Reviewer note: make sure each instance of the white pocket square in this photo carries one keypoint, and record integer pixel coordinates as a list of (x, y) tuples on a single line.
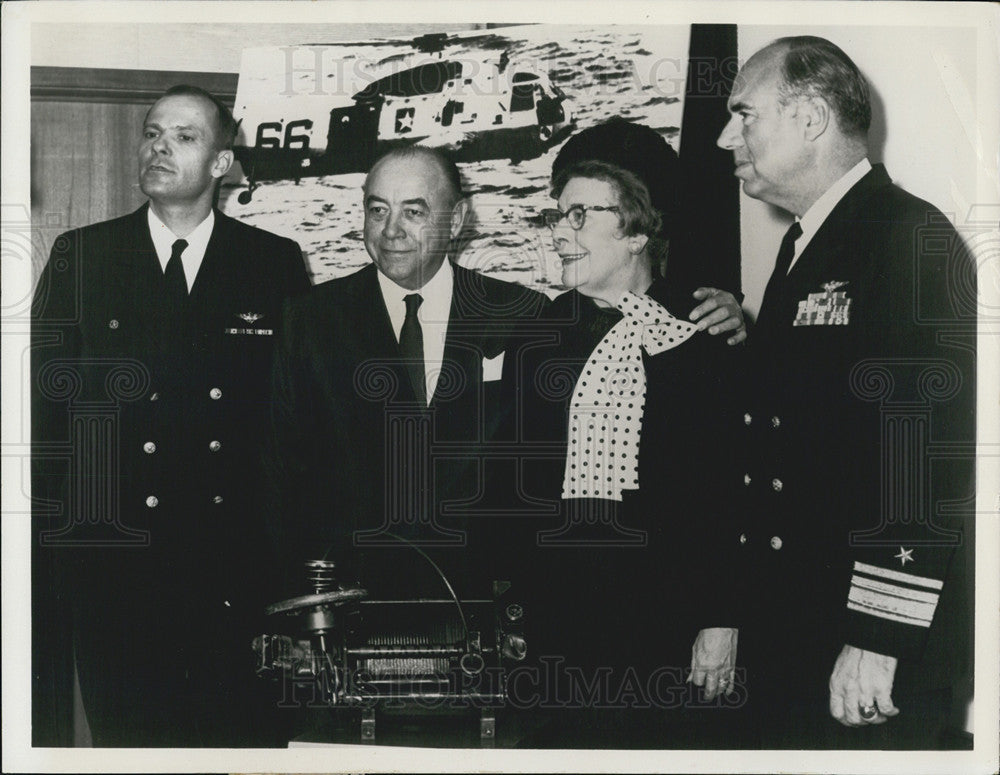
[(492, 368)]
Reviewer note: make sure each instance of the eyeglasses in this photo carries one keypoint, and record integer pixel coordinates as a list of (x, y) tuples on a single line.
[(576, 216)]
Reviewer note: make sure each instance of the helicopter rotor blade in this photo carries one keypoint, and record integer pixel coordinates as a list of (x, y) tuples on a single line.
[(429, 42)]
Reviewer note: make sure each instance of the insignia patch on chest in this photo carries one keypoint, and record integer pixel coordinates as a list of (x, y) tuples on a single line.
[(832, 307), (251, 318)]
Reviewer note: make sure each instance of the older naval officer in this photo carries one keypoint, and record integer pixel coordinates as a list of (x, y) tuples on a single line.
[(857, 607)]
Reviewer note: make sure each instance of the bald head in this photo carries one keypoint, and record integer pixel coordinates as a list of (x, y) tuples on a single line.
[(413, 212), (224, 125), (435, 160), (814, 67), (800, 112)]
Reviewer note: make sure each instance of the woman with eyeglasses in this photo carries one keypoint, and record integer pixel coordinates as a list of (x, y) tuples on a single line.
[(627, 424)]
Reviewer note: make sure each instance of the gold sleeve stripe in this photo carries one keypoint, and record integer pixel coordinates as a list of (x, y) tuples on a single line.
[(893, 589), (888, 615), (895, 575), (878, 604)]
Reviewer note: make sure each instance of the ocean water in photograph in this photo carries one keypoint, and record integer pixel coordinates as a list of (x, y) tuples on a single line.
[(634, 73)]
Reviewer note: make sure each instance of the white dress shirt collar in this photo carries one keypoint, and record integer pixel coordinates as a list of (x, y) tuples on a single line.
[(433, 316), (194, 253), (822, 207)]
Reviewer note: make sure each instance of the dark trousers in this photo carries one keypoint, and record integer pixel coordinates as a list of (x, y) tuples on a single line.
[(803, 723)]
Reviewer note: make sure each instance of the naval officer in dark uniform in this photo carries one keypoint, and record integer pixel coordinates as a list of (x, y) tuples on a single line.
[(859, 422), (152, 341)]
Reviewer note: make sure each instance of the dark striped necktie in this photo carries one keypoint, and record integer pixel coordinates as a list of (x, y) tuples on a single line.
[(173, 275), (411, 346), (785, 254)]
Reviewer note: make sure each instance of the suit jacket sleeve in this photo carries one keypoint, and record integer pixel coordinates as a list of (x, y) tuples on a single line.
[(297, 281), (285, 462), (55, 337), (695, 474), (719, 596), (923, 353)]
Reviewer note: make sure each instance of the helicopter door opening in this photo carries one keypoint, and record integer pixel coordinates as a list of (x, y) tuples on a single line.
[(353, 135), (522, 97), (522, 92)]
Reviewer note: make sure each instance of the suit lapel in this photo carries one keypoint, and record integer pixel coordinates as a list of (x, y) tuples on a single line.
[(135, 260), (462, 342), (136, 276), (371, 330), (824, 256), (842, 220), (464, 337), (218, 267)]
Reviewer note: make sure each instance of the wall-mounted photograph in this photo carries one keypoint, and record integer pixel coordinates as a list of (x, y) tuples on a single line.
[(501, 102)]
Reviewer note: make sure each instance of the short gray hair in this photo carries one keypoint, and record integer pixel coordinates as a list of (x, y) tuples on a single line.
[(815, 67)]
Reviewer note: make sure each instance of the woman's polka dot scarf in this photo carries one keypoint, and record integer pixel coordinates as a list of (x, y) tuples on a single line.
[(605, 413)]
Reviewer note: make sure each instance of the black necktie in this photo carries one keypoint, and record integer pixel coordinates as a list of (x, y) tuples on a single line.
[(781, 265), (177, 290), (787, 249), (411, 346)]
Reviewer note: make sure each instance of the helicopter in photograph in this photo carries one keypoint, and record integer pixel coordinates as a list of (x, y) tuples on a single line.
[(479, 104)]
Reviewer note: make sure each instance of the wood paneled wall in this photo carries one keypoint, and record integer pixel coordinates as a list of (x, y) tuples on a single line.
[(86, 125), (83, 161)]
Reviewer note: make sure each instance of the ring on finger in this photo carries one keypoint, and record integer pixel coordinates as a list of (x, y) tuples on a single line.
[(868, 712)]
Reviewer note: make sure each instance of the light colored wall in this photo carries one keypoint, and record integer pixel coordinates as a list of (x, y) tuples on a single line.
[(211, 48), (924, 128), (924, 80)]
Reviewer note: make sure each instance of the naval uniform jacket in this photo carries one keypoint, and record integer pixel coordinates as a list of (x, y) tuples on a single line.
[(627, 585), (859, 462), (147, 421), (353, 457)]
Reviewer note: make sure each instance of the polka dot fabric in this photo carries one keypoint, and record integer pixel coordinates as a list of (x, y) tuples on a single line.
[(605, 413)]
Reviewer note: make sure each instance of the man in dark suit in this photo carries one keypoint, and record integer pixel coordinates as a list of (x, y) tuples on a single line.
[(861, 369), (386, 388), (152, 346)]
